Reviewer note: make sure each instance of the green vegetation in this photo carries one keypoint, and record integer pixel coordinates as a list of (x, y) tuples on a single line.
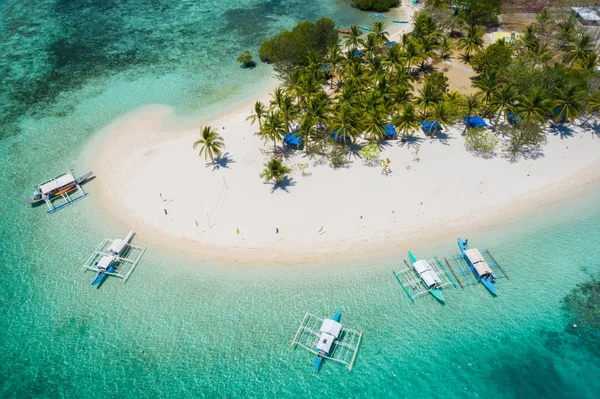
[(546, 76), (211, 144), (246, 60), (375, 5), (274, 171), (290, 50)]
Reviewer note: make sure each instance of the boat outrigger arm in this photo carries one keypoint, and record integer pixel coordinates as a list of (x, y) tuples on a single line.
[(65, 187)]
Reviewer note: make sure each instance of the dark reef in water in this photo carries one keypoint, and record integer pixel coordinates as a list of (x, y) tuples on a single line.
[(582, 307)]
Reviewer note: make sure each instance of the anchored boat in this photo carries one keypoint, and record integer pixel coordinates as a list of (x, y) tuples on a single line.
[(330, 331), (480, 268), (428, 275), (64, 187), (106, 264), (400, 21)]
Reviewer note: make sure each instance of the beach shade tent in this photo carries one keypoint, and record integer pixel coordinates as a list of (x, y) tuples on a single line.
[(390, 44), (326, 68), (358, 53), (431, 127), (292, 138), (390, 131), (475, 121), (339, 136), (514, 119)]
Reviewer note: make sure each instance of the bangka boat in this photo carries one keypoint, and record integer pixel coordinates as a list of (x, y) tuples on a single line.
[(363, 27), (106, 264), (377, 16), (59, 187), (400, 21), (329, 333), (428, 275), (480, 268), (344, 31)]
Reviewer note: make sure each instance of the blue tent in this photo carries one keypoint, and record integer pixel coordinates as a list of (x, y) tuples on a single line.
[(514, 118), (326, 68), (358, 53), (391, 44), (390, 131), (293, 138), (431, 127), (475, 121), (340, 136)]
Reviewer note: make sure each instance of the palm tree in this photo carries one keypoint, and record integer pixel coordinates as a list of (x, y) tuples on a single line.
[(504, 99), (589, 62), (288, 110), (569, 103), (427, 99), (427, 48), (543, 20), (472, 41), (470, 107), (566, 32), (445, 48), (274, 171), (211, 144), (582, 46), (487, 84), (375, 120), (442, 114), (380, 34), (541, 54), (334, 58), (345, 123), (535, 106), (259, 113), (407, 122), (371, 45), (273, 129), (277, 97), (398, 98), (353, 40), (593, 105), (411, 54)]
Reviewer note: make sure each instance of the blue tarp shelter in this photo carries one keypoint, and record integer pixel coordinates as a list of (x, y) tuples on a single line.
[(340, 136), (515, 119), (390, 131), (293, 138), (326, 68), (391, 44), (358, 53), (431, 127), (475, 121)]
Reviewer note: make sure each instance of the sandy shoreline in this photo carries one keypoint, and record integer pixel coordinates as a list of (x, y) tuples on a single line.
[(145, 168)]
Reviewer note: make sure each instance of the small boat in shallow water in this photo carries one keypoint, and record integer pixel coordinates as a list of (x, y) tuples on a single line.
[(363, 27), (65, 188), (400, 21), (480, 268), (344, 31), (330, 331), (428, 275), (107, 263)]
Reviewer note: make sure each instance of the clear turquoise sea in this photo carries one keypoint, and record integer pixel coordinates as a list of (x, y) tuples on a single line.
[(190, 328)]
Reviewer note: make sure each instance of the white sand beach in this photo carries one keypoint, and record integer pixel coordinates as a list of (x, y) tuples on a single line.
[(328, 213), (150, 179)]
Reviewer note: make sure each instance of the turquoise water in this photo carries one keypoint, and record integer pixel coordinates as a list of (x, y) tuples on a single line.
[(191, 328)]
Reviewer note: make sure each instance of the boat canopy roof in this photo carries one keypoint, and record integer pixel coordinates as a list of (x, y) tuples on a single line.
[(325, 342), (426, 272), (117, 246), (331, 327), (105, 262), (56, 183), (478, 261)]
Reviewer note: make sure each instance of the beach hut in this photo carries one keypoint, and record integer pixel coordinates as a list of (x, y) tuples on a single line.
[(293, 138), (587, 15), (390, 131), (475, 121), (431, 127)]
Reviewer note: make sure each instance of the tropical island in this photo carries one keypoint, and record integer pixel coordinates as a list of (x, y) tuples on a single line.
[(372, 137)]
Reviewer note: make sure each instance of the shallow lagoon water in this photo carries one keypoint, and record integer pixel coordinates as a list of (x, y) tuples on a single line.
[(189, 328)]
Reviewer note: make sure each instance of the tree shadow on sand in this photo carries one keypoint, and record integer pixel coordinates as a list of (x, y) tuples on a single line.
[(283, 184), (564, 131), (222, 161), (594, 128), (411, 142), (442, 137)]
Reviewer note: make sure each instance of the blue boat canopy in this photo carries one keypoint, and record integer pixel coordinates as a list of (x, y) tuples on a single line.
[(475, 121), (391, 44), (292, 138), (431, 127), (390, 131), (514, 118)]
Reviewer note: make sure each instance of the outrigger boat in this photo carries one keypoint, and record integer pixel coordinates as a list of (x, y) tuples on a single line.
[(478, 265), (106, 264), (363, 27), (59, 187), (329, 332), (428, 275), (400, 21)]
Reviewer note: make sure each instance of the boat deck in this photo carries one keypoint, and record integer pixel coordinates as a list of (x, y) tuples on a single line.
[(344, 349), (125, 263), (461, 269), (413, 284)]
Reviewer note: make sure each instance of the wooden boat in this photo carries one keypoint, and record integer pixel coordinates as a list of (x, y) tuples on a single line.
[(344, 31), (329, 333), (64, 188), (107, 263), (428, 275), (478, 266)]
